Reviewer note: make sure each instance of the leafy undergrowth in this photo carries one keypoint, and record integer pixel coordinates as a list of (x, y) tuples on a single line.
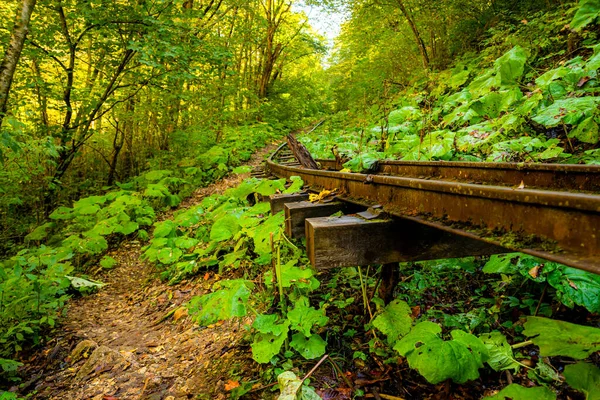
[(466, 327), (524, 98), (36, 282)]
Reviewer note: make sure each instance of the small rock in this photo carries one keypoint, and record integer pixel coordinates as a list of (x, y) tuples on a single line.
[(82, 350)]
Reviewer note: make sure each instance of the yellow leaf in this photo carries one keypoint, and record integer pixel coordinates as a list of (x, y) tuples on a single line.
[(535, 271), (231, 384), (180, 313), (318, 197)]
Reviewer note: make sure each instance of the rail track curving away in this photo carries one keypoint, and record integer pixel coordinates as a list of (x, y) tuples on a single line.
[(547, 210)]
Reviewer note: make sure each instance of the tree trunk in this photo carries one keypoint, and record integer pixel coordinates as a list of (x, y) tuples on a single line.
[(13, 53), (413, 27)]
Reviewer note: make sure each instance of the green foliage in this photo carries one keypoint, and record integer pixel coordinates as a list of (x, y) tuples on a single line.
[(519, 108), (587, 12), (395, 321), (559, 338), (500, 353), (572, 286), (36, 282), (518, 392), (304, 318), (584, 377), (226, 302), (458, 359), (108, 262), (8, 396)]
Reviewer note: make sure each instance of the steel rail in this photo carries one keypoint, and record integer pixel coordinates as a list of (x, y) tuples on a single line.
[(550, 176), (557, 225)]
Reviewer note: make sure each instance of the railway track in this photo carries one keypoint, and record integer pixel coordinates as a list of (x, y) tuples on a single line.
[(551, 211)]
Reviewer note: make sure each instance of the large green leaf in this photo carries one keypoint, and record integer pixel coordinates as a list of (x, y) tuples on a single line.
[(310, 348), (574, 286), (511, 65), (301, 277), (437, 360), (569, 111), (224, 228), (164, 229), (586, 131), (265, 346), (588, 12), (500, 352), (502, 264), (559, 338), (364, 161), (297, 184), (550, 76), (271, 324), (303, 317), (169, 255), (262, 234), (584, 377), (228, 301), (395, 321), (40, 232), (518, 392)]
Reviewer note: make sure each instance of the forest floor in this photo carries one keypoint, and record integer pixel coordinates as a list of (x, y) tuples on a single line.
[(133, 340)]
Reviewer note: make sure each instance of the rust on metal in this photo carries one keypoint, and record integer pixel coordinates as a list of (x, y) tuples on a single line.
[(561, 226), (552, 176)]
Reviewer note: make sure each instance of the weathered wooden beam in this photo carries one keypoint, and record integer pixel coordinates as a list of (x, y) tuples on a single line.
[(297, 213), (301, 154), (278, 200), (351, 241)]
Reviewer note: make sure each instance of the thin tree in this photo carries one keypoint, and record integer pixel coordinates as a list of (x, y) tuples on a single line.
[(13, 53)]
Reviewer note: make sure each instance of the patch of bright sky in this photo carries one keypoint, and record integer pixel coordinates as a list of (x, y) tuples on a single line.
[(325, 22)]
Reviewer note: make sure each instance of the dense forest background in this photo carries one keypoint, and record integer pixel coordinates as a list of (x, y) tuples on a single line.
[(106, 90), (111, 111)]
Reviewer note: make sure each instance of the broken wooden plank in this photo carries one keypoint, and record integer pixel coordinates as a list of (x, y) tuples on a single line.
[(296, 213), (352, 241), (278, 200), (301, 153)]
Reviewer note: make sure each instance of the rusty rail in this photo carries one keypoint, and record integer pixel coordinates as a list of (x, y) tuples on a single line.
[(485, 201)]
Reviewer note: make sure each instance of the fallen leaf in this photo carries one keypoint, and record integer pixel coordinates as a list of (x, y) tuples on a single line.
[(231, 384), (416, 311), (522, 185), (180, 313), (535, 271), (574, 286), (583, 81), (321, 196)]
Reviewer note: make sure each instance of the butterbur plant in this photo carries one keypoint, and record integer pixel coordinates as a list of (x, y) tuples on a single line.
[(228, 232)]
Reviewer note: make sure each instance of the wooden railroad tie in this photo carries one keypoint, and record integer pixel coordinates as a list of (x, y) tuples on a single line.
[(278, 200), (297, 213), (354, 241)]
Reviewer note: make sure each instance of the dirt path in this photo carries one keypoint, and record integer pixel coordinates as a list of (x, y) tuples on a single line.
[(117, 344)]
